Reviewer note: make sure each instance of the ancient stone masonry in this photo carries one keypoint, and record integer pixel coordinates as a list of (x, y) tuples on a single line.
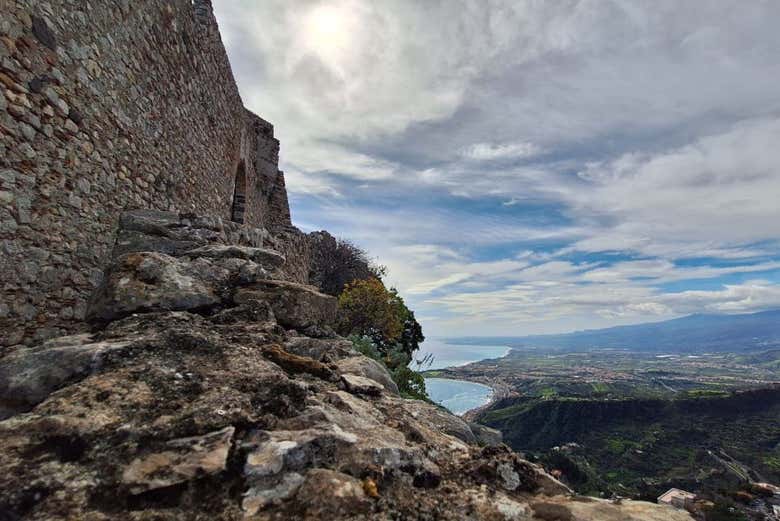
[(109, 105)]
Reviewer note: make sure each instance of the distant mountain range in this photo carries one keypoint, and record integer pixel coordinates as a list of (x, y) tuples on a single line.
[(693, 333)]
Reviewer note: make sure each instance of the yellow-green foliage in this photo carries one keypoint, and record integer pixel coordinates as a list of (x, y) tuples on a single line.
[(367, 308), (382, 327)]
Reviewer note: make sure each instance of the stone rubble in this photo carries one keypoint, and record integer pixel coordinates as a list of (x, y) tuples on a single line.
[(205, 391)]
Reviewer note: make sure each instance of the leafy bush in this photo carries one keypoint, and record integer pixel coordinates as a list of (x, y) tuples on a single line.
[(410, 383), (366, 347), (382, 327), (411, 333), (367, 309)]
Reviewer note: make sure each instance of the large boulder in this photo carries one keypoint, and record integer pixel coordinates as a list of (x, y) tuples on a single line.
[(149, 281), (295, 306), (368, 368), (441, 418), (361, 385)]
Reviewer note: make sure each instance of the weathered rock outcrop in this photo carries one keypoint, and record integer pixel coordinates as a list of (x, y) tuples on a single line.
[(243, 405)]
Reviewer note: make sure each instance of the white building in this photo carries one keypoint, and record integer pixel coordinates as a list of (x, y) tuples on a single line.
[(677, 498)]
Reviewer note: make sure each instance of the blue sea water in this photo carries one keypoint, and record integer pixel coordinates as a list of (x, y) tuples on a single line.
[(449, 355), (456, 395)]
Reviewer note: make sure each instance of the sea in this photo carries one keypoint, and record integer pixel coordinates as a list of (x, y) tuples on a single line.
[(457, 396), (450, 355)]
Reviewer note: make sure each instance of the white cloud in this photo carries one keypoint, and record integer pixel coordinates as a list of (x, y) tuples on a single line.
[(719, 190), (644, 128), (529, 309), (736, 298), (659, 271), (427, 287), (310, 185), (489, 151)]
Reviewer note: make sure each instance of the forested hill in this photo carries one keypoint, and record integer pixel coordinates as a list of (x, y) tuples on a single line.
[(690, 333)]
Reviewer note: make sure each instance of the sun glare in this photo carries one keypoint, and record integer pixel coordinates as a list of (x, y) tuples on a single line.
[(328, 31)]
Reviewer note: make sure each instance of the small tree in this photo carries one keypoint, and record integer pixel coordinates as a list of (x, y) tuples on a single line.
[(411, 384), (382, 327), (366, 308), (412, 334)]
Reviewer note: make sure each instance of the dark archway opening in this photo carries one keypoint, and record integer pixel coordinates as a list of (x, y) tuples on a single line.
[(239, 196)]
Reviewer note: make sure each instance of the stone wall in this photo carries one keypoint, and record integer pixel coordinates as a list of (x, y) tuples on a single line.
[(104, 106), (296, 247)]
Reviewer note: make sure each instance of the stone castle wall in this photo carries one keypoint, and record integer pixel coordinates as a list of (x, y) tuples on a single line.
[(104, 106)]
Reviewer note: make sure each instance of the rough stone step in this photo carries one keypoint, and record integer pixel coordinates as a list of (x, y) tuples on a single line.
[(295, 306)]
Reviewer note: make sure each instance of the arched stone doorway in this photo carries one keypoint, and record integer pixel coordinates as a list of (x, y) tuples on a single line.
[(239, 195)]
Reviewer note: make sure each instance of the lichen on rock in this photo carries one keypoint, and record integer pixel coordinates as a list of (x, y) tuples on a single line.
[(199, 394)]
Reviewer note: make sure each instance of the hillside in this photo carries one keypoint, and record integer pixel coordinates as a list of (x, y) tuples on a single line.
[(635, 423), (693, 333), (641, 447)]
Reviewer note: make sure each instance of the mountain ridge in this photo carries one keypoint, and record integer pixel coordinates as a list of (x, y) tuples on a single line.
[(690, 333)]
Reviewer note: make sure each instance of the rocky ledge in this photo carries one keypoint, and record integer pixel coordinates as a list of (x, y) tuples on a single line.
[(213, 388)]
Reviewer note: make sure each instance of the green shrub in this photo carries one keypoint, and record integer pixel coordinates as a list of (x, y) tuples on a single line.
[(411, 384), (366, 347), (368, 309)]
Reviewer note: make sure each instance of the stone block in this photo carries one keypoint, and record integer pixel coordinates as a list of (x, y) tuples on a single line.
[(147, 281), (295, 306)]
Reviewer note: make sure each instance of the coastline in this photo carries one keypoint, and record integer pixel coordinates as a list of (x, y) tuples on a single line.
[(499, 389)]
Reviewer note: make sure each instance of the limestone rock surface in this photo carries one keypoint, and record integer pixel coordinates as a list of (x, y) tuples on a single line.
[(29, 375), (361, 385), (184, 459), (201, 395), (296, 306), (149, 281), (486, 435), (368, 368)]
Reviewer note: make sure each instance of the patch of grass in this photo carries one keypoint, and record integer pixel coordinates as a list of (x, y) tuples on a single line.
[(619, 446), (705, 393), (508, 412), (773, 462)]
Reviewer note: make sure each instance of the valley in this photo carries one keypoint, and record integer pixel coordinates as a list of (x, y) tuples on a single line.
[(620, 422)]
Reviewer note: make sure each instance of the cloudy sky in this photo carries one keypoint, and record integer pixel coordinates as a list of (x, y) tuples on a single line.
[(531, 166)]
